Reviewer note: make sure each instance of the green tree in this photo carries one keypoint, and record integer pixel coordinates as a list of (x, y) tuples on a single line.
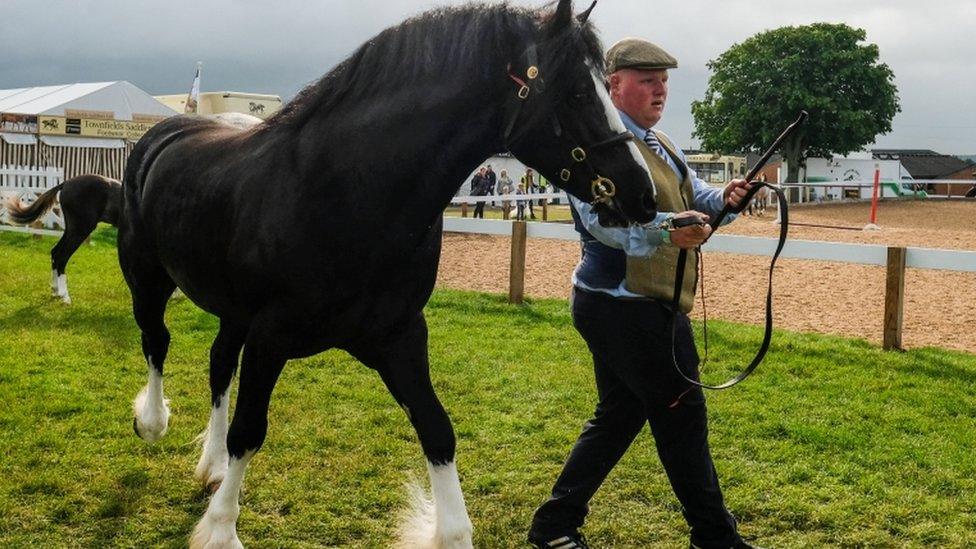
[(759, 86)]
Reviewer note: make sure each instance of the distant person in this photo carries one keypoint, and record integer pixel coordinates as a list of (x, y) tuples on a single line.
[(478, 189), (543, 189), (490, 180), (520, 203), (757, 206), (504, 187), (529, 184), (503, 179)]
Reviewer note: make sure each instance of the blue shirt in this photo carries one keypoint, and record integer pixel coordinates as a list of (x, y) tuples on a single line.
[(643, 240)]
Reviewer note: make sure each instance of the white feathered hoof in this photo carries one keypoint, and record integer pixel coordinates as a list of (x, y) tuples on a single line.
[(151, 420), (420, 529), (212, 533), (66, 299), (210, 471)]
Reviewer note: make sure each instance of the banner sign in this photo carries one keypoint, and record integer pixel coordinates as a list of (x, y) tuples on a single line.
[(101, 115), (94, 127)]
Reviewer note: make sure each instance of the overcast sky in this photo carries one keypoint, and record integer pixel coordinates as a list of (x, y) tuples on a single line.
[(279, 46)]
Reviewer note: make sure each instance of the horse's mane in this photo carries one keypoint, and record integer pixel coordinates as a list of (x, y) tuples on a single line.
[(452, 42)]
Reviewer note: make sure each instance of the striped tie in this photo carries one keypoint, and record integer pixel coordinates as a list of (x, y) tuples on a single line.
[(651, 139)]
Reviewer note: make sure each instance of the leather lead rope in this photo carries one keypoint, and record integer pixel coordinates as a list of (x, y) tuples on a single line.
[(783, 230), (767, 335)]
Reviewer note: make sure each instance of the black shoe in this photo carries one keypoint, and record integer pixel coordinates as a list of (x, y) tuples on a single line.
[(572, 541)]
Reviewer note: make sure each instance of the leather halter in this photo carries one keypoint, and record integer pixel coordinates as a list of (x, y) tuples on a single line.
[(602, 188), (683, 256)]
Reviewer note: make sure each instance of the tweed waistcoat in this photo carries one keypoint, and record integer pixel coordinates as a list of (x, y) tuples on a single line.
[(654, 276)]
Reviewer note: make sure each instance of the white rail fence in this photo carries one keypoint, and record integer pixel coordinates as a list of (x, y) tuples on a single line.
[(512, 200), (895, 259), (27, 183)]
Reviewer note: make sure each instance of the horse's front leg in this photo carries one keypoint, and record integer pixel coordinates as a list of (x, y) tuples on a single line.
[(401, 359)]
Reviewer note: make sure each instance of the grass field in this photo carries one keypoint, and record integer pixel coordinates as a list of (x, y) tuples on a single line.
[(832, 443)]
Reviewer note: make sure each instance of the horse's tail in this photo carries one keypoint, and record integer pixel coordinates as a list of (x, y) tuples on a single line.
[(24, 215)]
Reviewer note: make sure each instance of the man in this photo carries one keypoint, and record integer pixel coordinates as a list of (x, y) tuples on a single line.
[(478, 189), (621, 305), (490, 179)]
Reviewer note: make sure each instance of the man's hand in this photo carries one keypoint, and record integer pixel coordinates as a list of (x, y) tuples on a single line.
[(735, 191), (691, 236)]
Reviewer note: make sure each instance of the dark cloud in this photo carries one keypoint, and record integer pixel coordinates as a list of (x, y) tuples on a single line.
[(278, 47)]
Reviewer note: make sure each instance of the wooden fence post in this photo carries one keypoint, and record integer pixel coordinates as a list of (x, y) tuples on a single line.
[(516, 273), (506, 209), (545, 209), (894, 298), (464, 209)]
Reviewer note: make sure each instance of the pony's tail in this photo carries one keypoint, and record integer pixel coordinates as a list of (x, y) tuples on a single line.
[(23, 215)]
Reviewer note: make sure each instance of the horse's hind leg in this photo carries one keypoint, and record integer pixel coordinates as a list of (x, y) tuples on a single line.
[(60, 255), (224, 353), (151, 289), (55, 252), (401, 360)]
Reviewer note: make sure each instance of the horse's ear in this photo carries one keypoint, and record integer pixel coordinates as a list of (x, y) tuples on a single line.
[(562, 18), (583, 17)]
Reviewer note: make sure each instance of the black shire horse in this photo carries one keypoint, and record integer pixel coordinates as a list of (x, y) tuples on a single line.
[(85, 200), (321, 228)]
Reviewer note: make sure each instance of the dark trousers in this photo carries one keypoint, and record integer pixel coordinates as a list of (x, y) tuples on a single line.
[(479, 210), (631, 345)]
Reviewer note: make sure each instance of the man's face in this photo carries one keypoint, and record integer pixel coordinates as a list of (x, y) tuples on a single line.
[(640, 93)]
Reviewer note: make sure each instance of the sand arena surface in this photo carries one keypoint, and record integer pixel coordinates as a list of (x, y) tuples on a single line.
[(809, 296)]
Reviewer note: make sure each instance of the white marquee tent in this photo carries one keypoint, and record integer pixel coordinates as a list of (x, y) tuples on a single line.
[(82, 128)]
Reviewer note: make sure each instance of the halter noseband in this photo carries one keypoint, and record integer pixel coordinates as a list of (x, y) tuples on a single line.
[(602, 188)]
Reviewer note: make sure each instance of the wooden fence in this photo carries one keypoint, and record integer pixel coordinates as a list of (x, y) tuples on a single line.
[(895, 259)]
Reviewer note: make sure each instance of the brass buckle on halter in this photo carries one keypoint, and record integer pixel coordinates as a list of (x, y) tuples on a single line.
[(578, 154), (565, 175), (603, 190), (532, 72), (523, 92)]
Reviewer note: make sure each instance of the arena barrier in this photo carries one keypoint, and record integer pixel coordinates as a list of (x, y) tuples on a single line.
[(547, 199), (27, 183), (895, 259)]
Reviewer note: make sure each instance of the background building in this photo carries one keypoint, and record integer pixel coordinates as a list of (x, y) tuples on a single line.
[(927, 164), (255, 104)]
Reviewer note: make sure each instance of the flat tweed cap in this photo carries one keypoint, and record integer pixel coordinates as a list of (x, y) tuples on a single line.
[(634, 53)]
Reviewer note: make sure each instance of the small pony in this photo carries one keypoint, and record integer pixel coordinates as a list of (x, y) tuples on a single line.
[(85, 200)]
